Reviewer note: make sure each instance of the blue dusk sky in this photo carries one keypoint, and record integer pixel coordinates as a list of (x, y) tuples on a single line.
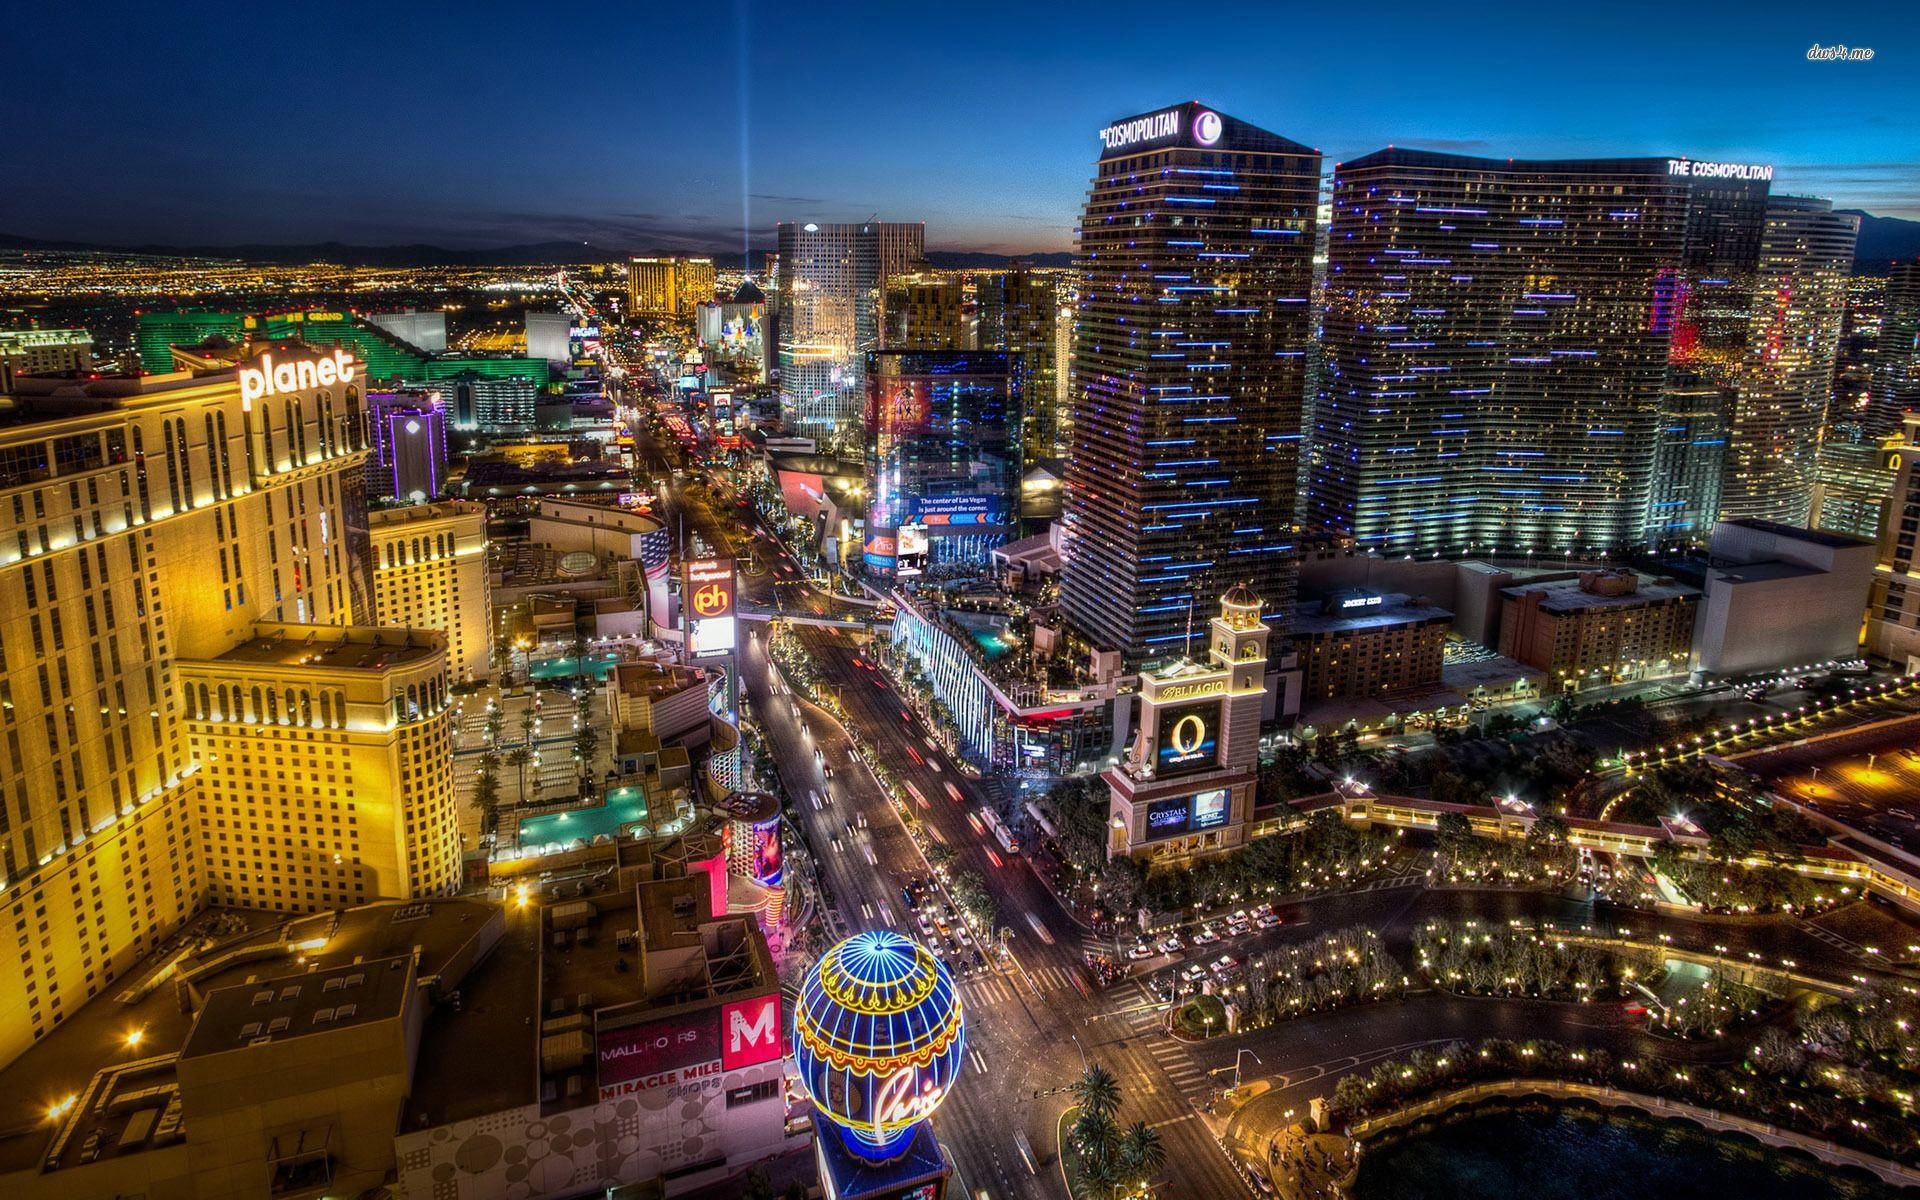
[(657, 125)]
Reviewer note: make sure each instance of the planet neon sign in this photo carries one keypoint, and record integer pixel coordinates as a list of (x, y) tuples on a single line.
[(276, 378), (878, 1038)]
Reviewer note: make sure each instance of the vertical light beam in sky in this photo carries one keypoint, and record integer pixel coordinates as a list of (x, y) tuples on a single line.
[(742, 13)]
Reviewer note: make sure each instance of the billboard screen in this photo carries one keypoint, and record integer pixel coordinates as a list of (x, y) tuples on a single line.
[(1188, 738), (1187, 814), (1209, 810), (709, 601), (967, 512), (1165, 818), (767, 865), (657, 1054)]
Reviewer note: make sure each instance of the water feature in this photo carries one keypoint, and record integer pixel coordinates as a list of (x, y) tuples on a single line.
[(621, 807), (1539, 1153)]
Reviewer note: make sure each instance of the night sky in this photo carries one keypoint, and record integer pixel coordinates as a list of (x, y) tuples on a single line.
[(478, 124)]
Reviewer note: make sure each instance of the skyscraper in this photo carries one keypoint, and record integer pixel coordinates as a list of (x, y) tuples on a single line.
[(1709, 322), (1806, 254), (927, 310), (943, 455), (1496, 341), (1196, 255), (668, 287), (1020, 313), (409, 459), (182, 558), (1895, 386), (830, 315)]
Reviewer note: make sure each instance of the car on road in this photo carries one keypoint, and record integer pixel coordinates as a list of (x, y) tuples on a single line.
[(1193, 973), (827, 769), (953, 794), (1171, 944), (1206, 936), (1267, 920), (1226, 964), (1142, 950), (926, 926), (915, 756)]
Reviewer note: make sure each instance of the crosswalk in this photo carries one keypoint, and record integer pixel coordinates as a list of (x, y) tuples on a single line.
[(1186, 1076), (1836, 941), (991, 988)]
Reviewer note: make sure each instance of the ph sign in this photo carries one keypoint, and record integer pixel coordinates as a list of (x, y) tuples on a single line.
[(270, 378)]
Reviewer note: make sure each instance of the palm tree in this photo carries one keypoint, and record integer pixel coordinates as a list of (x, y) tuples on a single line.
[(1097, 1091), (1096, 1135), (1142, 1153)]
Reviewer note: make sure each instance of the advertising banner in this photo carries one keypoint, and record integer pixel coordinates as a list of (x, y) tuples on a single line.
[(1188, 738), (709, 599), (639, 1058)]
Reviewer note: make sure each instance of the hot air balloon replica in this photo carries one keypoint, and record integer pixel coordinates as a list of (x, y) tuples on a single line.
[(878, 1038)]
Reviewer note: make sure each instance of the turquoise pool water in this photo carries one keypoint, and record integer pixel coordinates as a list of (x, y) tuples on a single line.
[(622, 807), (990, 642), (598, 666)]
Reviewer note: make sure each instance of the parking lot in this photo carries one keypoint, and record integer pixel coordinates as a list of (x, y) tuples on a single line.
[(1871, 782)]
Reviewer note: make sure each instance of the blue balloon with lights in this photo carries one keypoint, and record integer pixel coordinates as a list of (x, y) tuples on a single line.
[(879, 1038)]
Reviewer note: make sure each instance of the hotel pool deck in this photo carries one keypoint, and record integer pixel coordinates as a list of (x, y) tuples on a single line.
[(549, 832), (597, 665)]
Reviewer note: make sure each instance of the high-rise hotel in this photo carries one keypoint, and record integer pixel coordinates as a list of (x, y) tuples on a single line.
[(187, 711), (1196, 256), (831, 314), (1496, 342), (1806, 257)]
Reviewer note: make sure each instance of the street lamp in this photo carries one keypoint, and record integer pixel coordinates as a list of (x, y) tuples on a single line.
[(1237, 1055)]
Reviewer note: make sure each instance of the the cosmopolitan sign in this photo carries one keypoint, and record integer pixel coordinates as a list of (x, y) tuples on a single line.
[(1718, 170), (1141, 129), (270, 378)]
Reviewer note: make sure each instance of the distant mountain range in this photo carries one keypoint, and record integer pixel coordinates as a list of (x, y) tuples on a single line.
[(541, 254), (1882, 240)]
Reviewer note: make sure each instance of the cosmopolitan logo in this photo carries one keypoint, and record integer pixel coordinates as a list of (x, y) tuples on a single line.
[(1718, 170), (1141, 129), (272, 379)]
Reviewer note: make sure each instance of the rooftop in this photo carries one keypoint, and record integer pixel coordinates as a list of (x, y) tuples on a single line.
[(335, 647), (1566, 595), (299, 1004), (1764, 572), (1396, 609), (1817, 537), (442, 510), (220, 950)]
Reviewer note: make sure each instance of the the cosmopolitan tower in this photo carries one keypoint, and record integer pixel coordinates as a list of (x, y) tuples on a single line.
[(1496, 346), (1189, 360)]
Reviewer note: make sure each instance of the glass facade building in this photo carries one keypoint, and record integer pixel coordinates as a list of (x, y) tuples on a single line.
[(1495, 352), (1196, 264), (943, 455), (1806, 256), (830, 315)]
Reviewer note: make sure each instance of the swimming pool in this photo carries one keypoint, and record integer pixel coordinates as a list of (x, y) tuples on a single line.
[(621, 807), (598, 665)]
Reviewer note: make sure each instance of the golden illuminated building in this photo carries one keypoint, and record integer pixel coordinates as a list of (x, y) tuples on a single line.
[(668, 287), (150, 526), (430, 572), (927, 310), (326, 773)]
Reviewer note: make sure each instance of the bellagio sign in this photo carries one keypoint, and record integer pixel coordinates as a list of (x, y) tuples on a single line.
[(269, 378)]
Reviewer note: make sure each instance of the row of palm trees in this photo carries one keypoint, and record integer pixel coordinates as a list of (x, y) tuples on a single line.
[(1113, 1161)]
